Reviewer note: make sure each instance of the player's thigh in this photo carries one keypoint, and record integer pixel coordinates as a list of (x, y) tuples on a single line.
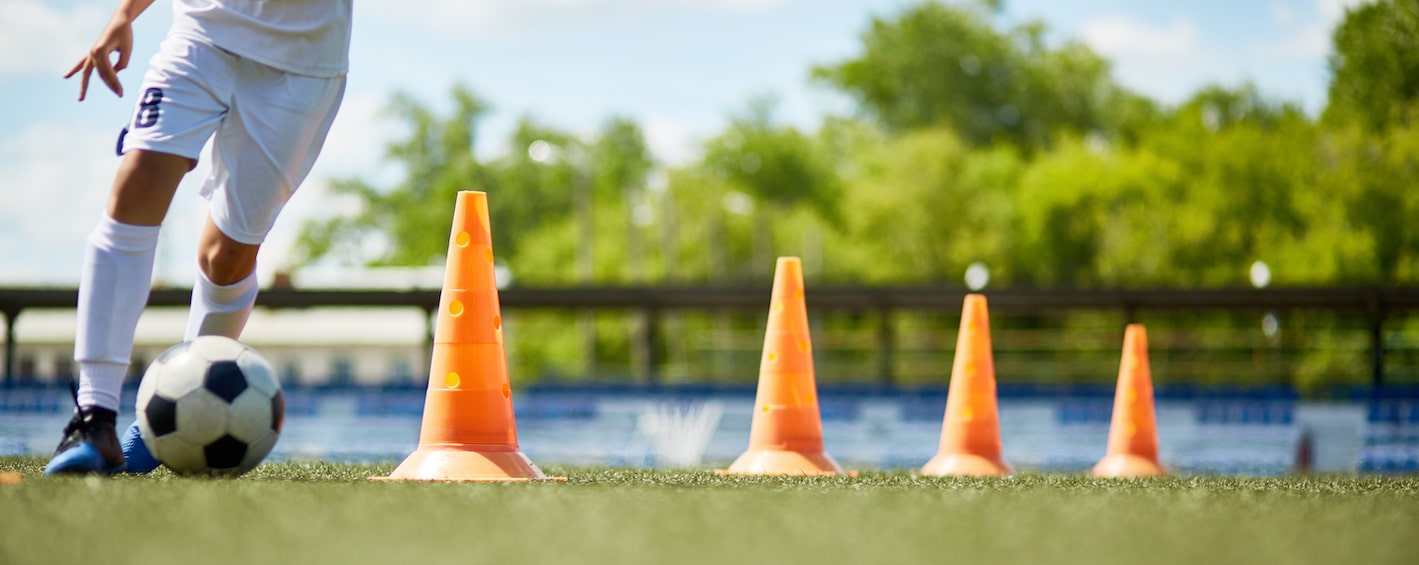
[(144, 186), (266, 148), (180, 104), (182, 99)]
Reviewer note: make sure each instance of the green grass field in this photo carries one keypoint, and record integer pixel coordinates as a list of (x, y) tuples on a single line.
[(331, 513)]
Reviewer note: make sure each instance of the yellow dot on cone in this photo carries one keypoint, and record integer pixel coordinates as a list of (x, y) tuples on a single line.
[(1130, 429), (455, 308), (803, 346), (778, 305), (462, 238), (967, 415), (451, 380), (970, 369), (1130, 396), (766, 408), (488, 255), (808, 399), (773, 357)]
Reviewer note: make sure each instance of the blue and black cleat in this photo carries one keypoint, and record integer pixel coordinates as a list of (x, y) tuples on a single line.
[(140, 460), (90, 445)]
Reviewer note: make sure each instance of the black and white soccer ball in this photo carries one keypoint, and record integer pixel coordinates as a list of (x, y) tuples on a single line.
[(210, 406)]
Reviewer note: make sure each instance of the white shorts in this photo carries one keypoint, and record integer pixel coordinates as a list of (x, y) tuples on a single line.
[(269, 125)]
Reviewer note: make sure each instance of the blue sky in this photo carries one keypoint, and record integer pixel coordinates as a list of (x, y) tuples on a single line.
[(678, 67)]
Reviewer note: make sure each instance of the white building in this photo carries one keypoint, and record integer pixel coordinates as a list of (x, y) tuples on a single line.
[(307, 346)]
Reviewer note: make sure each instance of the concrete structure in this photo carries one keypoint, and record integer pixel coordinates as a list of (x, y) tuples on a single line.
[(308, 346)]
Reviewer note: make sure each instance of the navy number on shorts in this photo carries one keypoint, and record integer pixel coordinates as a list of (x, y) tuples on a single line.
[(148, 108)]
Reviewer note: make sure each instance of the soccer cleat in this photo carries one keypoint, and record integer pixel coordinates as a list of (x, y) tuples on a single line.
[(90, 445), (135, 452)]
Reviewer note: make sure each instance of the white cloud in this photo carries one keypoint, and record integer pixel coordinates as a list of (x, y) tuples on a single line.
[(55, 192), (1310, 41), (35, 37), (1120, 35), (1283, 14), (1167, 62), (57, 186)]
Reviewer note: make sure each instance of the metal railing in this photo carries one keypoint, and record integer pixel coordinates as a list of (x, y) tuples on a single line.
[(1375, 304)]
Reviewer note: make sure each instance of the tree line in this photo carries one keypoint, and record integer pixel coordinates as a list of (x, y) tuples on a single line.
[(971, 142)]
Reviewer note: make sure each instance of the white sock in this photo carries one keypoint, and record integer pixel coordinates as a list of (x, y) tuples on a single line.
[(220, 310), (100, 384), (113, 289)]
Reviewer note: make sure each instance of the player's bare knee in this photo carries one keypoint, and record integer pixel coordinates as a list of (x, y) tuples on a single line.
[(226, 262)]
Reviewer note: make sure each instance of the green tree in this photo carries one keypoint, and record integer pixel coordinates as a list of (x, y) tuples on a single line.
[(531, 201), (920, 207), (1375, 66), (622, 164), (438, 159), (779, 167), (1373, 178), (1370, 151), (938, 64)]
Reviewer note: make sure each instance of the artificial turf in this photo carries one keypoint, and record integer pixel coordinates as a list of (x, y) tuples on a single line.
[(330, 513)]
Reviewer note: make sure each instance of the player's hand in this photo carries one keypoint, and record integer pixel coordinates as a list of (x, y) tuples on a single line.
[(117, 37)]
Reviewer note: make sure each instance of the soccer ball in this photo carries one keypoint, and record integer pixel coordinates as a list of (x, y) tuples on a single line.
[(210, 406)]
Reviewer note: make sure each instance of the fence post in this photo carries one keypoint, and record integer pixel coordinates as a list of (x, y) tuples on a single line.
[(11, 314), (1377, 345), (886, 346), (645, 347), (430, 317)]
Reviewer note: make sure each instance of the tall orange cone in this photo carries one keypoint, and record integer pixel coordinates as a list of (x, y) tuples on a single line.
[(970, 432), (1133, 432), (468, 432), (786, 437)]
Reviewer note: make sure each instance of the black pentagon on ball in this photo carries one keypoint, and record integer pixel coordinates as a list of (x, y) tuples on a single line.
[(162, 415), (225, 380), (225, 453), (278, 411)]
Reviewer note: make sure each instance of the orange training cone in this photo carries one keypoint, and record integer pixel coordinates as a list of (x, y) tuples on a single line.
[(970, 432), (1133, 433), (786, 437), (468, 432)]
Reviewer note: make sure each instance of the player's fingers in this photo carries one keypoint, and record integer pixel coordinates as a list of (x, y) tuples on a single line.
[(76, 68), (84, 80), (109, 76), (122, 60)]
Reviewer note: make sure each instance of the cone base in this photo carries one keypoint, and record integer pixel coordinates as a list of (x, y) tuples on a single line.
[(1123, 465), (779, 462), (964, 465), (466, 463)]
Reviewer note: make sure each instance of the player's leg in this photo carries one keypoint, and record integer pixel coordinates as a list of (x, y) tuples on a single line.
[(261, 154), (113, 288), (221, 301), (177, 111), (226, 285)]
